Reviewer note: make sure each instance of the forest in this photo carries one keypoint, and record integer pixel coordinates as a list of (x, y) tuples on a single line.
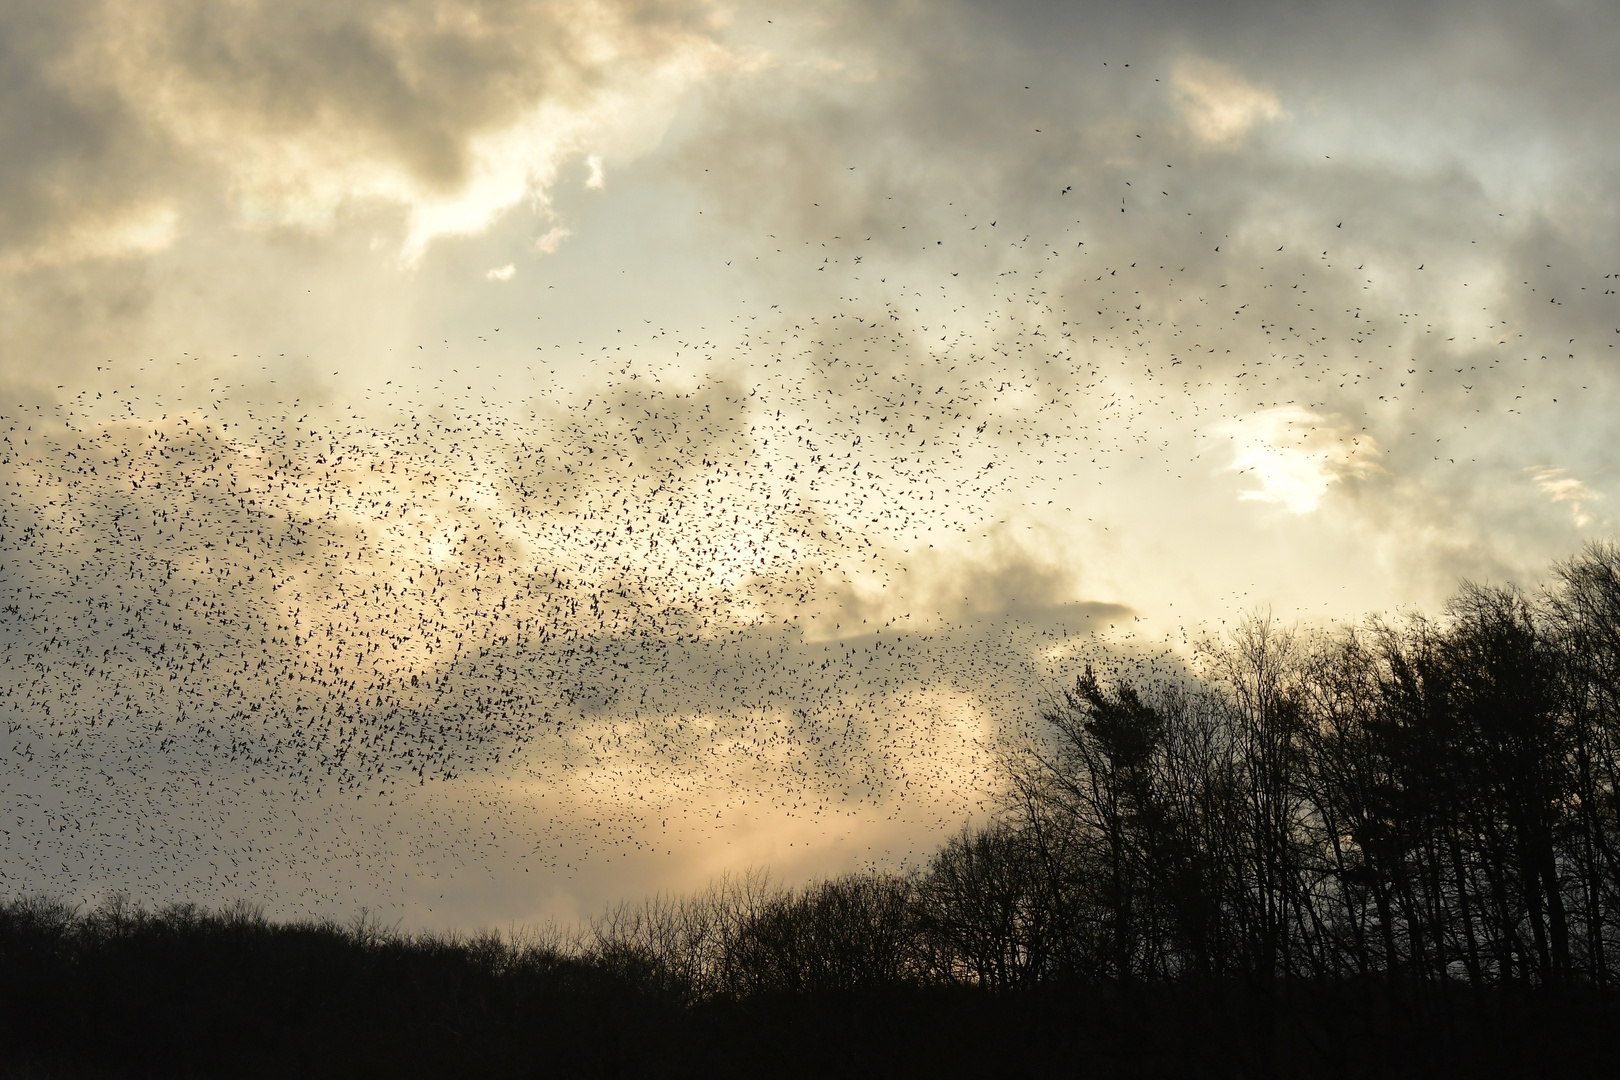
[(1387, 849)]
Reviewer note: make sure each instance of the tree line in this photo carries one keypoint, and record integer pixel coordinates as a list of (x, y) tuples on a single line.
[(1432, 799)]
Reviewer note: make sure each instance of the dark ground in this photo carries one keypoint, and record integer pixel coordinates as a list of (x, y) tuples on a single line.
[(211, 996)]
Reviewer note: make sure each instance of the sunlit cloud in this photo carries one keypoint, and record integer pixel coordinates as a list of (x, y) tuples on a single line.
[(1560, 487), (1218, 105), (501, 273), (447, 121), (131, 232), (553, 238), (1296, 455)]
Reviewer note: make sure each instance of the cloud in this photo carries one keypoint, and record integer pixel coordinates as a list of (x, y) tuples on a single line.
[(1218, 105), (501, 273), (81, 177), (294, 114), (1560, 487), (553, 238), (1020, 576), (1296, 455), (119, 232)]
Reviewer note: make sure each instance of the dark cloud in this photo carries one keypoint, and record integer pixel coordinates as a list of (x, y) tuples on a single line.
[(72, 148)]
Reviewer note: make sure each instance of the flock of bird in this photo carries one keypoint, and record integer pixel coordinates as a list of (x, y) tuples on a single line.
[(270, 647)]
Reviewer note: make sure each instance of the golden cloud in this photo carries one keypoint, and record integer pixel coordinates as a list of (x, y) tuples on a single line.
[(1296, 455), (1218, 105)]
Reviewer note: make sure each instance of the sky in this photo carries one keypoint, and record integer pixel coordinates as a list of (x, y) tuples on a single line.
[(480, 461)]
